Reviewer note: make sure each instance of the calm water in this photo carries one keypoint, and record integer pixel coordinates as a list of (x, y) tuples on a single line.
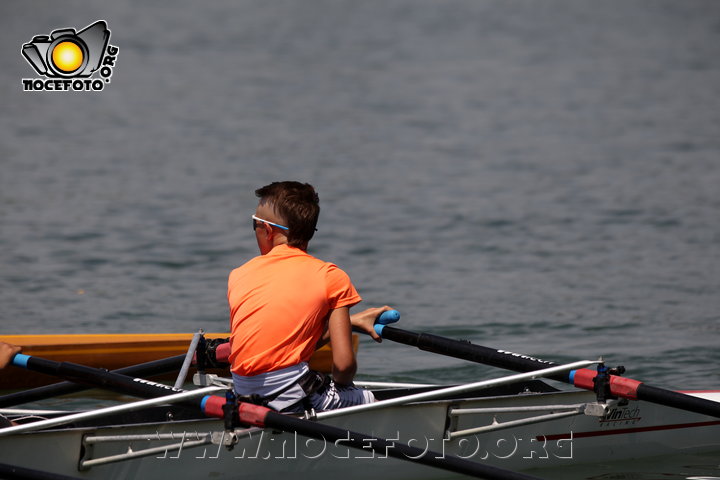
[(535, 176)]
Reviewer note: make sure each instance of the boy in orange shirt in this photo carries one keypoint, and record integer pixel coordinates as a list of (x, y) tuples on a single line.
[(7, 352), (285, 303)]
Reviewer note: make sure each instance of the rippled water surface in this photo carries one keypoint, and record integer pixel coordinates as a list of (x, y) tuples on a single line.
[(535, 176)]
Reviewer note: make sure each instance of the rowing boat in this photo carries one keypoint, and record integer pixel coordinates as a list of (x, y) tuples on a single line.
[(521, 425), (512, 424), (113, 351)]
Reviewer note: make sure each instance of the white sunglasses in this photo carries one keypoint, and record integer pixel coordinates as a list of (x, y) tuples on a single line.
[(258, 219)]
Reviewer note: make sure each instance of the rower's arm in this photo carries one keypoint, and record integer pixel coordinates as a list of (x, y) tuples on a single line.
[(361, 322), (7, 352), (340, 330), (365, 321)]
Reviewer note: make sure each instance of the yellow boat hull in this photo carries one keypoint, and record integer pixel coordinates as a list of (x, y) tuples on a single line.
[(112, 351)]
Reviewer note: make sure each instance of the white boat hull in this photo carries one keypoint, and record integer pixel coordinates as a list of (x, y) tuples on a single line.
[(635, 430)]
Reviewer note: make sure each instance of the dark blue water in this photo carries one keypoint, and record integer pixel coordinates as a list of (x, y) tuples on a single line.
[(535, 176)]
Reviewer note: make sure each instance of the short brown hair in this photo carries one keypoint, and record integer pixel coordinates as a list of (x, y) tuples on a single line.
[(299, 206)]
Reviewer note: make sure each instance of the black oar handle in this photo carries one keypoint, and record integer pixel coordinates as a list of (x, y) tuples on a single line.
[(151, 368), (468, 351), (619, 386), (461, 349), (95, 377), (263, 417)]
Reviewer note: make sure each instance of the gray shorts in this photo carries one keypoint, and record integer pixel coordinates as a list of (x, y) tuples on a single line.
[(339, 397), (330, 397)]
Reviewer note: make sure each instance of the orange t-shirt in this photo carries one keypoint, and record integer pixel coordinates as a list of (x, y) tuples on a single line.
[(279, 304)]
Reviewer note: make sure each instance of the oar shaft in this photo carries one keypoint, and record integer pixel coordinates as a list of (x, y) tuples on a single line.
[(619, 386), (155, 367), (265, 418), (678, 400), (95, 377), (468, 351), (393, 449)]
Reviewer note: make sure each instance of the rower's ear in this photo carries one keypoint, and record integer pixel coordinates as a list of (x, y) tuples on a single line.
[(266, 230)]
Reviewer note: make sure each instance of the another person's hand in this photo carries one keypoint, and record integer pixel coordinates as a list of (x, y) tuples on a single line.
[(7, 352), (365, 320)]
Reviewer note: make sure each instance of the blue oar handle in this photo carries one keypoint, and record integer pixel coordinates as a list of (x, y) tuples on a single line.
[(386, 318), (20, 360)]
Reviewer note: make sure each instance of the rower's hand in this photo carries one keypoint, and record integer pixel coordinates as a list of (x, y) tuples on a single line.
[(365, 321), (7, 352)]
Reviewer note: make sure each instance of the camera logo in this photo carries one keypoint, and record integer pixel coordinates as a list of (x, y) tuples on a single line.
[(68, 59)]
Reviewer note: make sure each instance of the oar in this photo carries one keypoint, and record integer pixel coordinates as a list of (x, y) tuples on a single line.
[(212, 406), (94, 377), (264, 417), (155, 367), (583, 378)]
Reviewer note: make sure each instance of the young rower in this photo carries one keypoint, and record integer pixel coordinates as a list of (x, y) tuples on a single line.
[(7, 352), (285, 303)]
